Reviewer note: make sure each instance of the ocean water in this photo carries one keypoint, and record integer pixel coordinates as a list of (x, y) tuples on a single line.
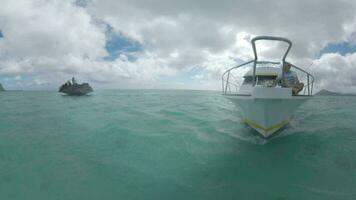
[(151, 144)]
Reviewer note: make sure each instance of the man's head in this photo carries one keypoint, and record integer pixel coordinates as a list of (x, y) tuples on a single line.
[(286, 67)]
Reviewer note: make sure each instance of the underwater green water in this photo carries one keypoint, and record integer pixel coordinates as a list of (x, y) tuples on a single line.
[(151, 144)]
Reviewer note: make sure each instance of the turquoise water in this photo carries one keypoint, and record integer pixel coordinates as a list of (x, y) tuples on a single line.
[(148, 144)]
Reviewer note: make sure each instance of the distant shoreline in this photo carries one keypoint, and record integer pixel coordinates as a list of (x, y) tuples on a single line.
[(324, 92)]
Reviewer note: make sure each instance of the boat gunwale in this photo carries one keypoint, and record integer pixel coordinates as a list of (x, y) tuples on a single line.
[(299, 95)]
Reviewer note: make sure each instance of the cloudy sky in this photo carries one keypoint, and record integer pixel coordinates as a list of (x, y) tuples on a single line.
[(181, 44)]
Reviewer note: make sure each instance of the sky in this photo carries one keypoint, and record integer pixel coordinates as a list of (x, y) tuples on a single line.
[(165, 44)]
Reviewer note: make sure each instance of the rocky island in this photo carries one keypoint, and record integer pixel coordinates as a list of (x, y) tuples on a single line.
[(1, 88), (330, 93), (75, 89)]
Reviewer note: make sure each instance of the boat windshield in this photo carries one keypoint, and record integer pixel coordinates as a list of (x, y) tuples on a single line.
[(261, 80), (247, 80), (266, 80)]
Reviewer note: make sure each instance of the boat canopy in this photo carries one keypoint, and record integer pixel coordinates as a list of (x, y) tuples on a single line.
[(264, 71)]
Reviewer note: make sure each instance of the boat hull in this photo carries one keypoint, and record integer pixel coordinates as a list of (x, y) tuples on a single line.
[(267, 114), (76, 89)]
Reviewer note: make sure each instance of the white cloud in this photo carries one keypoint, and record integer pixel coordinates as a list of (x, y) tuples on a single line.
[(48, 29), (46, 37), (214, 35), (53, 40), (309, 23), (336, 72)]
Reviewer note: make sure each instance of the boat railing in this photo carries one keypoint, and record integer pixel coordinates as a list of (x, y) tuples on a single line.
[(231, 83), (308, 87)]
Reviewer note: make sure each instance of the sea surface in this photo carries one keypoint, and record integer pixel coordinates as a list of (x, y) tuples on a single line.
[(152, 144)]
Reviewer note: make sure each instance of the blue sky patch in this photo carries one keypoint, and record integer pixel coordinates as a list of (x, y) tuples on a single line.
[(117, 44), (341, 48), (81, 3)]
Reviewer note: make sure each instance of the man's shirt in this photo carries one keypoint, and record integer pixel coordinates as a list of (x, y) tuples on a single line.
[(290, 78)]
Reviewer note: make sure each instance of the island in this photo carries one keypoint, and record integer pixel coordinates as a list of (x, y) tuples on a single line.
[(1, 88), (330, 93), (75, 89)]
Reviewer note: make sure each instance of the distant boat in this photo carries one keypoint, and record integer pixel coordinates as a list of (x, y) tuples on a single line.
[(75, 89), (265, 105), (1, 88)]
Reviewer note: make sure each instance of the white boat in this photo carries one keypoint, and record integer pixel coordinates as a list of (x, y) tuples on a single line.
[(265, 106)]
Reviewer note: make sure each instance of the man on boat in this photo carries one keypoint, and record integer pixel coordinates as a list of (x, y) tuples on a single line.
[(289, 79), (74, 81)]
